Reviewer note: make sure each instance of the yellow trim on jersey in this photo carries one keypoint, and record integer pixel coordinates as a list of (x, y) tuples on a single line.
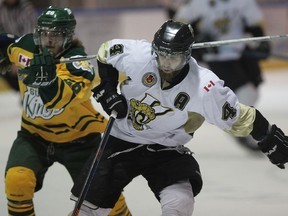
[(103, 52), (244, 125), (195, 120)]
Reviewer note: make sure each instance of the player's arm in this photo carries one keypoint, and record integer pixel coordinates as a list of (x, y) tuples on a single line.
[(5, 41), (59, 85), (259, 50), (272, 141), (106, 93), (222, 108)]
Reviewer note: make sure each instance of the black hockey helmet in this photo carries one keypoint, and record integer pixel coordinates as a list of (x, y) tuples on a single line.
[(173, 38)]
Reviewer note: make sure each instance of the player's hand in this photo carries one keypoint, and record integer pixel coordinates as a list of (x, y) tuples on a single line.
[(110, 100), (5, 41), (275, 147), (5, 65), (42, 70), (261, 51)]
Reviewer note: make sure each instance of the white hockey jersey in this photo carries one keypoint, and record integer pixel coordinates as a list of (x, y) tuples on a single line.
[(222, 20), (158, 116)]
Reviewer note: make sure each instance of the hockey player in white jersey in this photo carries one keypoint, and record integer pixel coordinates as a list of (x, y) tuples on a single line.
[(165, 99), (237, 64)]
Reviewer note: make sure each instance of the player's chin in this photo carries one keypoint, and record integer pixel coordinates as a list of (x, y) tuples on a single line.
[(51, 50), (166, 74)]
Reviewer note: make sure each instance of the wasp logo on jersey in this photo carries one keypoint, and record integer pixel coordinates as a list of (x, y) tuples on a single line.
[(83, 65), (145, 110), (149, 79)]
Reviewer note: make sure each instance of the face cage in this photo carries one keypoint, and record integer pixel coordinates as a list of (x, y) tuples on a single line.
[(165, 52), (67, 33)]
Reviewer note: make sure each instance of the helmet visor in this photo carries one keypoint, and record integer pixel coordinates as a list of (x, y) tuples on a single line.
[(168, 63), (51, 39)]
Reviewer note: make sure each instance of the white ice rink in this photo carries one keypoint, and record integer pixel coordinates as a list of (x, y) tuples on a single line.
[(236, 181)]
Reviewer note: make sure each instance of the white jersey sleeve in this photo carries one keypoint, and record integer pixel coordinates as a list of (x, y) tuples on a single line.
[(217, 103)]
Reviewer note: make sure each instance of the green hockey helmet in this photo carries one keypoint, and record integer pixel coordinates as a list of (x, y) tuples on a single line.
[(58, 20)]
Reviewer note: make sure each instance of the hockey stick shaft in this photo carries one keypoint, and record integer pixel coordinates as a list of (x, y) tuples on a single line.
[(73, 59), (195, 46), (94, 165), (240, 40)]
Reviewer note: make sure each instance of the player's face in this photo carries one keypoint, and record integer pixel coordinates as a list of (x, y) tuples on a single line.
[(52, 40), (170, 63)]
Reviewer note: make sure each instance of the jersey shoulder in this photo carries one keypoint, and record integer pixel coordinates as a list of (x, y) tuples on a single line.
[(26, 42), (201, 74), (79, 69), (136, 51)]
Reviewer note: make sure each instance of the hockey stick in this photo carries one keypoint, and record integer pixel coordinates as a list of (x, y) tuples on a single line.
[(73, 59), (195, 46), (243, 40), (94, 165)]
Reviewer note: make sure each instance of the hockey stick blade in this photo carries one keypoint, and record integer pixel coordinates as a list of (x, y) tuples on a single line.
[(240, 40), (94, 165)]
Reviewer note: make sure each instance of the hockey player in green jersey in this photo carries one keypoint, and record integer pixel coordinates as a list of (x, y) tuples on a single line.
[(59, 122)]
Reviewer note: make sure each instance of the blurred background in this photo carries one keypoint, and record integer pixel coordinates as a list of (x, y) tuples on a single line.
[(275, 12), (101, 20), (236, 182)]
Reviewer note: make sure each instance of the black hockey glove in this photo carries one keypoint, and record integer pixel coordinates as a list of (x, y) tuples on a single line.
[(42, 70), (110, 100), (5, 65), (5, 41), (264, 48), (260, 52), (275, 147)]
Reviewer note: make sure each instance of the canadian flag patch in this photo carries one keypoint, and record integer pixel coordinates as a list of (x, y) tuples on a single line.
[(210, 84), (24, 60)]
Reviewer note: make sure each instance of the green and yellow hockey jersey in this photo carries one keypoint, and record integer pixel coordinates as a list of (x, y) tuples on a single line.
[(63, 111)]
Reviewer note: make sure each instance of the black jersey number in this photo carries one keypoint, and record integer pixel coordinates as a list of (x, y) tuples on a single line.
[(76, 86), (116, 49), (228, 111)]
